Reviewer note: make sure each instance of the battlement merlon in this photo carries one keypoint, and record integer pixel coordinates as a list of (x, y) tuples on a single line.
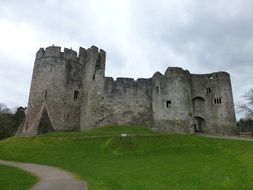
[(70, 54), (96, 57), (82, 55)]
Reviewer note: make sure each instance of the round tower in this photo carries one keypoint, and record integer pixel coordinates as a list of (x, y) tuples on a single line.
[(223, 114), (54, 99), (171, 101)]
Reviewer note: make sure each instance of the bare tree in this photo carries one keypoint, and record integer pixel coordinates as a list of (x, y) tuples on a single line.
[(4, 108), (247, 107)]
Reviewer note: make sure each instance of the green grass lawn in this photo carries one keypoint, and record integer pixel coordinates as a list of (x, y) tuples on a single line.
[(140, 162), (15, 179)]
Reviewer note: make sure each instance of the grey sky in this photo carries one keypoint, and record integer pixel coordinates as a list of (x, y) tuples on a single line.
[(140, 37)]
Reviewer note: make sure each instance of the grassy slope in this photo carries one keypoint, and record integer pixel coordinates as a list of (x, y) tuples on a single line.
[(13, 178), (158, 162)]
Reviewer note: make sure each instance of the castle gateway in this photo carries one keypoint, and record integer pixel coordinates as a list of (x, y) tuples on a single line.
[(70, 92)]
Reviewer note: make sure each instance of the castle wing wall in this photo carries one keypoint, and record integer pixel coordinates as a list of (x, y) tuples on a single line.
[(126, 102), (219, 114)]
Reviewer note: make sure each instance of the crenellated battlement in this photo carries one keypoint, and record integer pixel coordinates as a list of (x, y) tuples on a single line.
[(125, 80), (69, 54), (55, 52)]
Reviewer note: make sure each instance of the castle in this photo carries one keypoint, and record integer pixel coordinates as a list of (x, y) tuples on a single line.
[(70, 92)]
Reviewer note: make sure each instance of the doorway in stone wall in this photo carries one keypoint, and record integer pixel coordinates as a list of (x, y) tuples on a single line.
[(199, 125)]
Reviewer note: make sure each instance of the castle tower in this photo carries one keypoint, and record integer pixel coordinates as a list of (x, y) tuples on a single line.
[(55, 91), (171, 101), (213, 106), (93, 87)]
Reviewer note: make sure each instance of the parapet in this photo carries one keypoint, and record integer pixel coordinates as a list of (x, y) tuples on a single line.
[(175, 71), (212, 76), (53, 51), (220, 74), (122, 80), (143, 79), (69, 54)]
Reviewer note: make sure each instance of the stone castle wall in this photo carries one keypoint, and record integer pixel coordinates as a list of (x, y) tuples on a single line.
[(127, 101), (73, 90), (171, 96), (215, 89)]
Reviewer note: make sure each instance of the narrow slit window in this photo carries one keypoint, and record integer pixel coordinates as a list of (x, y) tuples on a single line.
[(76, 93), (45, 95), (208, 90), (98, 62), (157, 89), (168, 103), (217, 100)]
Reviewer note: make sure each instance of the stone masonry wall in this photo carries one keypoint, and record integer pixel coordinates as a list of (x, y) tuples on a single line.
[(127, 102), (56, 76), (76, 95), (171, 101), (215, 89)]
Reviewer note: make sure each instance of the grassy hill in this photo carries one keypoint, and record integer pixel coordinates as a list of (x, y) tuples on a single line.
[(141, 161)]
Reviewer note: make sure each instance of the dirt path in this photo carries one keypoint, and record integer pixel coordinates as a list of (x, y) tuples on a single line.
[(50, 178), (226, 137)]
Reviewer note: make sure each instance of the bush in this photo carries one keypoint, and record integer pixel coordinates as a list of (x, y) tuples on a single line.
[(9, 122), (245, 125)]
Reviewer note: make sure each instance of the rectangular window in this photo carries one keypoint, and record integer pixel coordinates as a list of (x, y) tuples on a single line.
[(217, 100), (168, 103), (76, 94), (208, 90)]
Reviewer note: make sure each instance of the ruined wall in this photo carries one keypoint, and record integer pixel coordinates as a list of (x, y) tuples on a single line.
[(171, 101)]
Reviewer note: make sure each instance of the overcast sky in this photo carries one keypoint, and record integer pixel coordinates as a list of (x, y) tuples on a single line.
[(140, 38)]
